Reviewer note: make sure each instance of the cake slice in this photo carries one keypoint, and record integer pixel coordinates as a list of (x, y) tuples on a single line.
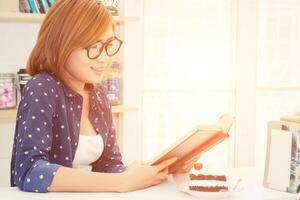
[(204, 182)]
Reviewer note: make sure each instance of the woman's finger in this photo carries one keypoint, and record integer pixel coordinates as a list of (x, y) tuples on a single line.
[(161, 176), (156, 182), (193, 160), (186, 168), (164, 164), (166, 171), (189, 166), (181, 170)]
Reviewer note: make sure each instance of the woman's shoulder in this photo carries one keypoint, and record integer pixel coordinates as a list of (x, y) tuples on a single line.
[(39, 90), (42, 80)]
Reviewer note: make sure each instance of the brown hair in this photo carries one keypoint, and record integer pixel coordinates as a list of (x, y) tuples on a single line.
[(68, 25)]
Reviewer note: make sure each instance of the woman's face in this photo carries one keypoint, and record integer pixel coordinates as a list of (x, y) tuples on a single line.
[(82, 69)]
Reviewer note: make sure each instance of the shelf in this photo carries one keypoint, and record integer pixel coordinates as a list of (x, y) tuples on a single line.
[(293, 119), (121, 109), (9, 116), (38, 18)]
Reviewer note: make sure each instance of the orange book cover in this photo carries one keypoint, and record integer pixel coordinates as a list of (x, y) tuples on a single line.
[(199, 140)]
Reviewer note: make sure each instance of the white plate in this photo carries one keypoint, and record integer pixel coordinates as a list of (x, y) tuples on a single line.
[(184, 187)]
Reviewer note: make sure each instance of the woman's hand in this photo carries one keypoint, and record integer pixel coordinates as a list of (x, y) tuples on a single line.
[(187, 166), (139, 176)]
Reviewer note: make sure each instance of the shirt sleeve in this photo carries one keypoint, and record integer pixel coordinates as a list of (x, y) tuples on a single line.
[(33, 171), (111, 158)]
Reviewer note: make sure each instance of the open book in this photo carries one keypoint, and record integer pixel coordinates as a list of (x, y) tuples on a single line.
[(200, 139)]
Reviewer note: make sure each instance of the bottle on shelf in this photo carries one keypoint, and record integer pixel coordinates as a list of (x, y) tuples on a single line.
[(23, 77), (112, 84)]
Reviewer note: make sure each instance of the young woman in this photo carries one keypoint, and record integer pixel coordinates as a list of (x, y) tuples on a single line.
[(64, 136)]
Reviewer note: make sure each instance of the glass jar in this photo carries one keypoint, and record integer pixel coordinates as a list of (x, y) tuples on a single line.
[(8, 92), (112, 84), (111, 5)]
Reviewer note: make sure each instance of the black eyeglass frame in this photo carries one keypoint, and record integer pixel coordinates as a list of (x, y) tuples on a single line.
[(104, 46)]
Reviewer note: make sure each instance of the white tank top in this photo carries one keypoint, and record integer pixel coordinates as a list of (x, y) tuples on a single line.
[(89, 149)]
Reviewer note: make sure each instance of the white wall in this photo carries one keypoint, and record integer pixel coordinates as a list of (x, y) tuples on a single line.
[(132, 80), (267, 73), (16, 42), (246, 47)]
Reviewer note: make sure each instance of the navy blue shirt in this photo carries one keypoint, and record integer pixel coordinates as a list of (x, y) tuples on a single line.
[(47, 132)]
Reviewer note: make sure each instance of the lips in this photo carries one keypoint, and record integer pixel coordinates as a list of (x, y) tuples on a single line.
[(98, 70)]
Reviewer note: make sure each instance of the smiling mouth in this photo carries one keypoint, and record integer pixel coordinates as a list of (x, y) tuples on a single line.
[(98, 70)]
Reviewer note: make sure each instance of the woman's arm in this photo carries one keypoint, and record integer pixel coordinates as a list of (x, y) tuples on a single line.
[(71, 180), (31, 169), (137, 176)]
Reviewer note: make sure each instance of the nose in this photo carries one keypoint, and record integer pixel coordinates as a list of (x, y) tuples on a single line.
[(100, 62), (104, 60), (103, 57)]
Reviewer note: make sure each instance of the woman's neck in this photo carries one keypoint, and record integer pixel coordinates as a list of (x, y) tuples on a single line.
[(77, 86)]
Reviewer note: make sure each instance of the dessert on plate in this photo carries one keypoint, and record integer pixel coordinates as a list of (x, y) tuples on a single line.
[(207, 182)]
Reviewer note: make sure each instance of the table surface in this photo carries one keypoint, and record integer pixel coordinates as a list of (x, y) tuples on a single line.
[(252, 189)]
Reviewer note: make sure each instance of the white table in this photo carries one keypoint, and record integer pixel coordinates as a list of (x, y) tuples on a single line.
[(167, 190)]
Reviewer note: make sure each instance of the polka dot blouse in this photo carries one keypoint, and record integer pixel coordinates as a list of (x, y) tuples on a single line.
[(47, 132)]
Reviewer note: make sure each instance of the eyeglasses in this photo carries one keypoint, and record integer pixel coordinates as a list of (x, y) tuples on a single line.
[(111, 46)]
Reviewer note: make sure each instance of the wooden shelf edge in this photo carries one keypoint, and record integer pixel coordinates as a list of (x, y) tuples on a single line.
[(9, 115), (121, 19), (38, 18), (122, 109), (295, 119)]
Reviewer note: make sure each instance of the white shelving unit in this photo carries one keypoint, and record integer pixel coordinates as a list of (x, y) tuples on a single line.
[(9, 115)]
